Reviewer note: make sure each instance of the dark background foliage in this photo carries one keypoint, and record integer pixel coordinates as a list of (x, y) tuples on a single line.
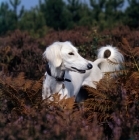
[(61, 15)]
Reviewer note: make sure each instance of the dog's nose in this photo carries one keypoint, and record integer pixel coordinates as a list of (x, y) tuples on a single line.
[(89, 66)]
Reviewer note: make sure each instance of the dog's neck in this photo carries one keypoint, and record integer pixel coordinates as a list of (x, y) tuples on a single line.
[(56, 72)]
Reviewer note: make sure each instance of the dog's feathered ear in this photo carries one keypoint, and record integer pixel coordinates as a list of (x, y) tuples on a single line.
[(53, 54)]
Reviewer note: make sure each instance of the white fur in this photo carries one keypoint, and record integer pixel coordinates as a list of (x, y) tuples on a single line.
[(115, 57), (59, 59), (100, 65)]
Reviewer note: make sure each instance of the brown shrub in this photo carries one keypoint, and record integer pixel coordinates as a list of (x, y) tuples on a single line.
[(112, 110)]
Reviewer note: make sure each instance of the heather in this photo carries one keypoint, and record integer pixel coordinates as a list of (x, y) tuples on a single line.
[(111, 112)]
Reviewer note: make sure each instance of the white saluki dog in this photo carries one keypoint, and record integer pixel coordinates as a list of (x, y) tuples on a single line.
[(67, 67), (62, 57)]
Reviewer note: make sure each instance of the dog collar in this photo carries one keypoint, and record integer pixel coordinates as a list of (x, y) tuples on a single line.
[(60, 79)]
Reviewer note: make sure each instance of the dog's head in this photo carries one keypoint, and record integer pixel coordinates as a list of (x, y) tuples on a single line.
[(66, 56)]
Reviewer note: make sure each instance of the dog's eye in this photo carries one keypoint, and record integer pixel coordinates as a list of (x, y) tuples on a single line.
[(71, 53)]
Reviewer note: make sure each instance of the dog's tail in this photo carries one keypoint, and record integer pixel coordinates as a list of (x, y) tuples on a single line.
[(109, 59)]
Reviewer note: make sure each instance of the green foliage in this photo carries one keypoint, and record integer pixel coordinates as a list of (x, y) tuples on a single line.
[(61, 15), (106, 13), (33, 21), (132, 13), (97, 8), (6, 18), (9, 17), (74, 7), (15, 4), (55, 13), (85, 14)]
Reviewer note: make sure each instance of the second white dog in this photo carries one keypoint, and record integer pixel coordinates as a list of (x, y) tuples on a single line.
[(66, 66)]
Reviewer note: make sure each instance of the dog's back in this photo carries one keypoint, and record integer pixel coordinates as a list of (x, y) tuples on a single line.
[(109, 60)]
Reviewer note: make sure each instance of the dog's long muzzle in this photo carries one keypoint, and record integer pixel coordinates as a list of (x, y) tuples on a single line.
[(89, 66)]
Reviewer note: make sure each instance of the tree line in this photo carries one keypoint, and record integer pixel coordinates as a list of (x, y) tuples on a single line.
[(61, 15)]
